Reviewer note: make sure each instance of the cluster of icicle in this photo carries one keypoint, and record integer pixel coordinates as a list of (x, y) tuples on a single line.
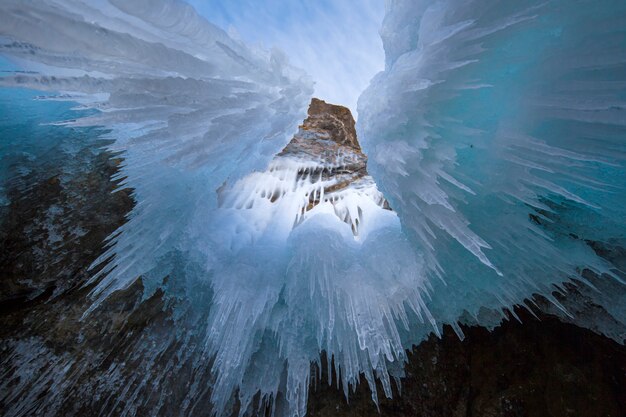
[(496, 132), (292, 190)]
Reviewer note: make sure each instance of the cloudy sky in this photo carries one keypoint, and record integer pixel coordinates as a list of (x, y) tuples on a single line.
[(335, 41)]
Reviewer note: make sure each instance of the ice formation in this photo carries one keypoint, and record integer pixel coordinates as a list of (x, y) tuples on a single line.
[(496, 133), (188, 106)]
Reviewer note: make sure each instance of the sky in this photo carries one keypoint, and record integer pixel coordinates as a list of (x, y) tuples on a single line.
[(335, 42)]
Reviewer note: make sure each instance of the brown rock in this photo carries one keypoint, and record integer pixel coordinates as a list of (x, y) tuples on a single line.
[(335, 121)]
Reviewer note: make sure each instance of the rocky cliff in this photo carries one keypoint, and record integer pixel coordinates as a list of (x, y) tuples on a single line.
[(332, 120), (328, 135), (322, 165)]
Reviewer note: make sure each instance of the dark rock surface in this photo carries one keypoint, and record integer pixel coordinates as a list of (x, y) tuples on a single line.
[(54, 361), (52, 231), (535, 368)]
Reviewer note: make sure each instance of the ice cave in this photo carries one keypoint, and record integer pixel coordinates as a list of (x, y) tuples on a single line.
[(190, 225)]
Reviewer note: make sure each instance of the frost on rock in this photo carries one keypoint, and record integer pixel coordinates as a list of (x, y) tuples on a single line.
[(497, 133)]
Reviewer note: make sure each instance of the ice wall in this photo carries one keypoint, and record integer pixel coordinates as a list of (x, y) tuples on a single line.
[(188, 106), (497, 133)]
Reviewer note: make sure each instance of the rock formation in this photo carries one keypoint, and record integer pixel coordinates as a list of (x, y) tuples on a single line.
[(323, 163), (332, 120)]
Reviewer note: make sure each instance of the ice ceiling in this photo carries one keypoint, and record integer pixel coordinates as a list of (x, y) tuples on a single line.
[(496, 132)]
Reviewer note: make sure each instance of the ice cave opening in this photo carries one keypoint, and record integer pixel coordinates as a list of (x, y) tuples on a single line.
[(322, 170)]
